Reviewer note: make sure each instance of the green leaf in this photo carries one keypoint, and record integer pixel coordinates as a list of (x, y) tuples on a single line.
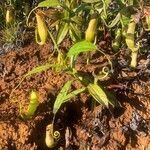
[(62, 32), (35, 70), (82, 7), (78, 20), (74, 93), (107, 2), (39, 69), (90, 1), (49, 3), (126, 15), (98, 93), (64, 97), (125, 20), (115, 21), (120, 3), (130, 2), (74, 32), (61, 96), (79, 47)]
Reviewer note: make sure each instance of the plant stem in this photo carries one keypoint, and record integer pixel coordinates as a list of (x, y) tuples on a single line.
[(53, 40)]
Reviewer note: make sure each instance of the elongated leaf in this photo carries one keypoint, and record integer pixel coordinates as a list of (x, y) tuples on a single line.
[(74, 93), (126, 15), (79, 47), (64, 97), (61, 96), (125, 20), (67, 3), (49, 3), (82, 7), (74, 32), (62, 32), (99, 94), (107, 2), (120, 3), (35, 70), (90, 1), (77, 20), (115, 21), (40, 69)]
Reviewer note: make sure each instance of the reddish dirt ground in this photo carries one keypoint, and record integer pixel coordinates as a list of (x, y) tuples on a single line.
[(82, 127)]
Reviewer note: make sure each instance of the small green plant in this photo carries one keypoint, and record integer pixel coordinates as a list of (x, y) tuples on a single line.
[(9, 28), (9, 34), (52, 137), (64, 16), (80, 19), (21, 8), (12, 19), (72, 54), (64, 96), (97, 92)]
